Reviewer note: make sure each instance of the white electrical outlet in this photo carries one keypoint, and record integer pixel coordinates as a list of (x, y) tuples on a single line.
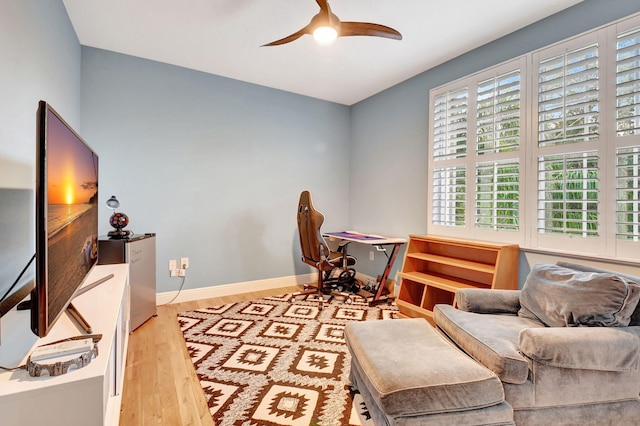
[(184, 262), (371, 255), (172, 265), (180, 272), (173, 273)]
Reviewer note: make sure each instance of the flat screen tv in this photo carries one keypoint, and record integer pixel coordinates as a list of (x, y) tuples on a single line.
[(66, 217)]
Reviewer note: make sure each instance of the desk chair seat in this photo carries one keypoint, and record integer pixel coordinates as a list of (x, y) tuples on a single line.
[(316, 252)]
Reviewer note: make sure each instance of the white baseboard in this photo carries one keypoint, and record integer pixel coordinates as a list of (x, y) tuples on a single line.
[(236, 288), (239, 288)]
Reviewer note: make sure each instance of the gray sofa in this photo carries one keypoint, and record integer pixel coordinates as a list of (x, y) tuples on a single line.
[(566, 347)]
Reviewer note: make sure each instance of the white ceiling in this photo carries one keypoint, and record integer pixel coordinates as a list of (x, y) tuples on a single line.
[(223, 37)]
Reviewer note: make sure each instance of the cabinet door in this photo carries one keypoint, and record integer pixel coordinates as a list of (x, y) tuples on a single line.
[(141, 256)]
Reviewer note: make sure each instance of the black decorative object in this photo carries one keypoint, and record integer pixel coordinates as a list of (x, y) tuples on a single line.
[(117, 220)]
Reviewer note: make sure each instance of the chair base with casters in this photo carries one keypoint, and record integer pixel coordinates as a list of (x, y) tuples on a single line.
[(325, 294), (316, 253), (332, 280)]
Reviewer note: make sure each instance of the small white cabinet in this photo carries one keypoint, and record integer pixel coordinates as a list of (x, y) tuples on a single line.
[(86, 396), (139, 252)]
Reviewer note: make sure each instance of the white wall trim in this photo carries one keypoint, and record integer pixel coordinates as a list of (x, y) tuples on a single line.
[(239, 288), (235, 288)]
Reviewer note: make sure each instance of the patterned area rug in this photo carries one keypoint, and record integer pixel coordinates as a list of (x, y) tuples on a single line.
[(275, 362)]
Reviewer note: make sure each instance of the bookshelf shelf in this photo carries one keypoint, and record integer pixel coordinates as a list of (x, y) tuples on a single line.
[(435, 267)]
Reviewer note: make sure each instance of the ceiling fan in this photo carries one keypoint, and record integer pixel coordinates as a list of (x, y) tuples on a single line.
[(326, 27)]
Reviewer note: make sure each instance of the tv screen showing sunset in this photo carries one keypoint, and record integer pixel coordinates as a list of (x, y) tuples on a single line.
[(72, 212)]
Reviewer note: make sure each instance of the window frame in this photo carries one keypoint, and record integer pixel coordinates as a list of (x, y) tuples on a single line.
[(607, 145), (469, 160)]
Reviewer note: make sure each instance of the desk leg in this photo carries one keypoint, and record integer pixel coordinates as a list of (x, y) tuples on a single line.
[(387, 270), (342, 248)]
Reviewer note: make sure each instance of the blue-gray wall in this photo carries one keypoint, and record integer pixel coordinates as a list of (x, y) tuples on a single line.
[(214, 166), (39, 59), (391, 128)]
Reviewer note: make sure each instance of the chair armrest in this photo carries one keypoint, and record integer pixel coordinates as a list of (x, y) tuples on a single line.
[(587, 348), (483, 301)]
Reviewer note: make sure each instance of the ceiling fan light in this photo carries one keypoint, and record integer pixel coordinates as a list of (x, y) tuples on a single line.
[(325, 35)]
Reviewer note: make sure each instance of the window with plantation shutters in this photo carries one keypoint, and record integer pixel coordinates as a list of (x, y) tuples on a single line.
[(627, 116), (568, 115), (497, 190), (449, 153), (544, 150), (475, 158)]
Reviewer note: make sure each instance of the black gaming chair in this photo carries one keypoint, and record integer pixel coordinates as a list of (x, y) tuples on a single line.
[(316, 252)]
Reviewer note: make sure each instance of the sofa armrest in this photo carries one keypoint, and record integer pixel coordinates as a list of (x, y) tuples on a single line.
[(483, 301), (587, 348)]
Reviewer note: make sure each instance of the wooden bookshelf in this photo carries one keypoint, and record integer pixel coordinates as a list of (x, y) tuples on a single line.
[(435, 267)]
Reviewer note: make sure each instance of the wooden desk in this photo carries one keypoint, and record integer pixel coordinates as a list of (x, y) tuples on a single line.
[(381, 244)]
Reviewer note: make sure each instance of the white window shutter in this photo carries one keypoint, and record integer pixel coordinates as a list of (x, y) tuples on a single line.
[(450, 125), (498, 195), (568, 97), (628, 194), (449, 196), (628, 84), (498, 114)]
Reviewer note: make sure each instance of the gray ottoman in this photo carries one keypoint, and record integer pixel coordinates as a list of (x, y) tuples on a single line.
[(408, 374)]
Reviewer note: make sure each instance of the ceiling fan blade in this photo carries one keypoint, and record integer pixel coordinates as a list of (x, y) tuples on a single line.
[(324, 6), (368, 29), (290, 38)]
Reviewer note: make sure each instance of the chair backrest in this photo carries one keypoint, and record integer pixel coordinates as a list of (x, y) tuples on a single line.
[(314, 248)]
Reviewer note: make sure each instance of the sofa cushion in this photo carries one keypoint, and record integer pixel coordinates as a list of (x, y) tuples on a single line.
[(481, 301), (635, 316), (561, 297), (491, 339)]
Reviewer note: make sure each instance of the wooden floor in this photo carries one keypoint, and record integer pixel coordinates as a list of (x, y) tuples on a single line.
[(160, 385)]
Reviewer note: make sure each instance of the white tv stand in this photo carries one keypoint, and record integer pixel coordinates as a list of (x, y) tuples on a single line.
[(86, 396)]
